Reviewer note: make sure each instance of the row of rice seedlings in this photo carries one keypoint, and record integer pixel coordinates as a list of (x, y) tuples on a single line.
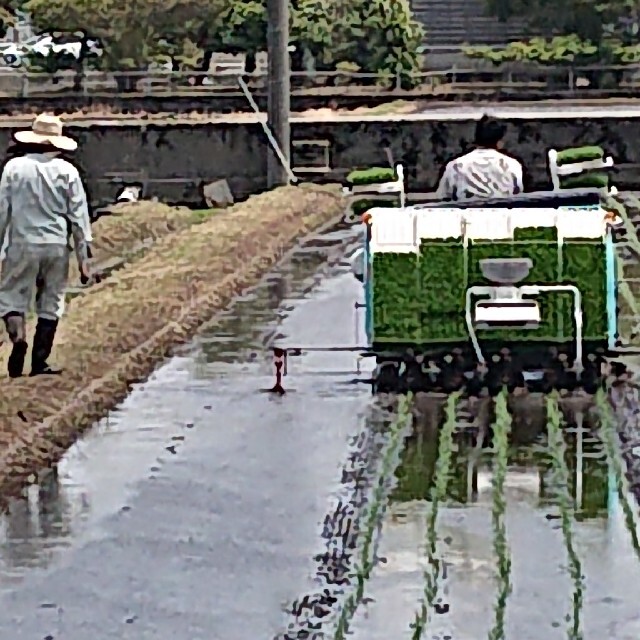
[(558, 451), (501, 433), (365, 566), (614, 459), (434, 568)]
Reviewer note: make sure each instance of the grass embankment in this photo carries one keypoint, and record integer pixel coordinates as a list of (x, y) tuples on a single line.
[(118, 331), (123, 236), (132, 228)]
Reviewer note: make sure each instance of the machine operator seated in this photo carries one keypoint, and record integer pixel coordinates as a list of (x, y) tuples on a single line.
[(484, 172)]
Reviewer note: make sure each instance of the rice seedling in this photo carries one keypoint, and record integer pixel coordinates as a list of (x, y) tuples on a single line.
[(434, 567), (558, 452), (390, 461), (501, 433), (614, 459)]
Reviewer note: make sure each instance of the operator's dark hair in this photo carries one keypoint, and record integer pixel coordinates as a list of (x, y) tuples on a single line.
[(489, 132)]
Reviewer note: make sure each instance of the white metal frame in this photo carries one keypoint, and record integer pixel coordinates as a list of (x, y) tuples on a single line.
[(524, 290), (379, 191), (575, 168)]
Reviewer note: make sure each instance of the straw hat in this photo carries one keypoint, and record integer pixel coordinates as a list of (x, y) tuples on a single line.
[(47, 129)]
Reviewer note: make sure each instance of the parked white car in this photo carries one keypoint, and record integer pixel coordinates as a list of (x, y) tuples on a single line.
[(46, 45), (14, 55)]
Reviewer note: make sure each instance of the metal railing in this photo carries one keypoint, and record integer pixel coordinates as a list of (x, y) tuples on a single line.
[(511, 78)]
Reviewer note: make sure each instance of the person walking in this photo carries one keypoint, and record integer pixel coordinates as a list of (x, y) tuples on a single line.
[(42, 201)]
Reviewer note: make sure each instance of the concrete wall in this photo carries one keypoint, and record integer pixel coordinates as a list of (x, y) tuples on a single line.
[(178, 159), (424, 147)]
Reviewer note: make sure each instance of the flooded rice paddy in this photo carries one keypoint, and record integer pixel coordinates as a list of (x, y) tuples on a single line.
[(205, 508), (578, 582)]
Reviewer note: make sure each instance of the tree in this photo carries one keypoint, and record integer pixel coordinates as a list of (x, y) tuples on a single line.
[(388, 40), (244, 30), (379, 36), (560, 50), (594, 20), (612, 27), (129, 30), (8, 10)]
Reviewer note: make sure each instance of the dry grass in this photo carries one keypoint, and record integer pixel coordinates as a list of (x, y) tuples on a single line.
[(116, 333), (123, 234), (131, 225)]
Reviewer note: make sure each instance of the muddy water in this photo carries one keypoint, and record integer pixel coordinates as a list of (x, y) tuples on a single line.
[(542, 588), (100, 476)]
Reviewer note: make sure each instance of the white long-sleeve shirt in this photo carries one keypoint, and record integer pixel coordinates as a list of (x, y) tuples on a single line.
[(481, 173), (40, 197)]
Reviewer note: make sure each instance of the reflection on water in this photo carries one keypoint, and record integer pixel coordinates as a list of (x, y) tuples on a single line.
[(38, 523), (542, 593), (97, 475), (531, 461)]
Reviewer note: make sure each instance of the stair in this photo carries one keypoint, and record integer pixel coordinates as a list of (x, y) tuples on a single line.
[(460, 22)]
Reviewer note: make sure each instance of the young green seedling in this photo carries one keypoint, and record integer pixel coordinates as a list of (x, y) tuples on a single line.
[(558, 453), (501, 433), (432, 572)]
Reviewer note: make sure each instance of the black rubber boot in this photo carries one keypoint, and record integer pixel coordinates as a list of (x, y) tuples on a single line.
[(42, 345), (16, 328)]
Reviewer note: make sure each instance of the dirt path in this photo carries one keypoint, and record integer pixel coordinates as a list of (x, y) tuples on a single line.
[(119, 330)]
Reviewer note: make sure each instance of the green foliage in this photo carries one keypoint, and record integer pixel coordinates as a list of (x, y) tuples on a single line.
[(375, 36), (388, 40), (625, 54), (396, 297), (374, 175), (612, 26), (130, 32), (365, 563), (586, 180), (556, 51), (562, 478), (379, 36), (434, 570), (579, 154), (561, 50), (241, 28)]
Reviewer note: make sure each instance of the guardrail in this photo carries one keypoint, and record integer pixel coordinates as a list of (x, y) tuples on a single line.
[(509, 78)]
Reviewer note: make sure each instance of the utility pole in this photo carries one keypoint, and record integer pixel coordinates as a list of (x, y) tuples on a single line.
[(279, 89)]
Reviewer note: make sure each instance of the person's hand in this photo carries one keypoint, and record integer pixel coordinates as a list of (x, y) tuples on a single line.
[(86, 271)]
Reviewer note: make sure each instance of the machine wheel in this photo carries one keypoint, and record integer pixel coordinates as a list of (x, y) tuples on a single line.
[(591, 379), (415, 378), (451, 377), (386, 378), (477, 384)]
